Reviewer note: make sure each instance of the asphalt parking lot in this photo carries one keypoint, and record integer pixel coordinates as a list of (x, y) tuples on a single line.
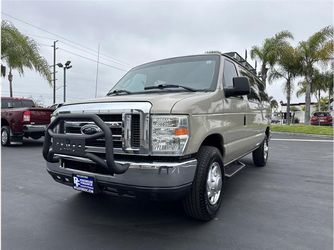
[(286, 205)]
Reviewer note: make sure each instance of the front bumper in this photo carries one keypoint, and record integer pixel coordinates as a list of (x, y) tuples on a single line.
[(152, 177)]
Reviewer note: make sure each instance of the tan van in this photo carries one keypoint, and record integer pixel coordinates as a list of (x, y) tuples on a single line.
[(173, 128)]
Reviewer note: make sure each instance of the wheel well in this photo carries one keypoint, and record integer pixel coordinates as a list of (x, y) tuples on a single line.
[(215, 140), (4, 122), (268, 132)]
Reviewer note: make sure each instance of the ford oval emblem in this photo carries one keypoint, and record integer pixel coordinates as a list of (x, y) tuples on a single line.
[(90, 129)]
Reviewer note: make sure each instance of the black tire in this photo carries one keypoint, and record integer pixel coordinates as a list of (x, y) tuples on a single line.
[(196, 204), (5, 136), (260, 157), (36, 137)]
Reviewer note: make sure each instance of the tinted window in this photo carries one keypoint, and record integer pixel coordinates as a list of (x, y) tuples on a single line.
[(9, 103), (4, 103), (197, 72), (321, 114), (28, 103), (254, 94), (229, 73)]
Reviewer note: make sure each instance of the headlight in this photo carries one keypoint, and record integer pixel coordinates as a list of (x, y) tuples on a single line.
[(169, 134)]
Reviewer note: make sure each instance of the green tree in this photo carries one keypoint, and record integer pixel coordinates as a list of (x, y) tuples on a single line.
[(323, 104), (287, 68), (269, 52), (273, 103), (320, 82), (328, 78), (318, 48), (294, 110), (19, 51)]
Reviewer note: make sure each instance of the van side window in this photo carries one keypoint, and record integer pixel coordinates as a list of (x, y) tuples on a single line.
[(229, 72), (254, 94)]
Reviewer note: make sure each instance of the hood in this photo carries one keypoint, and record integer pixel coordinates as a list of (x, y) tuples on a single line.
[(162, 102)]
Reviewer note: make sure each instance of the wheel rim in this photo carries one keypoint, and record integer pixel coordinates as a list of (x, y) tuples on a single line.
[(4, 137), (265, 149), (214, 183)]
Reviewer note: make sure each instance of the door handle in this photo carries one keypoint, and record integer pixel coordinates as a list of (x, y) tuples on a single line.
[(244, 120)]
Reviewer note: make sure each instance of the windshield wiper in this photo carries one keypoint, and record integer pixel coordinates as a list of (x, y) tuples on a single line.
[(166, 86), (118, 91)]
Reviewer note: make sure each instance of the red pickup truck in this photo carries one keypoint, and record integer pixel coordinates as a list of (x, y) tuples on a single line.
[(20, 117)]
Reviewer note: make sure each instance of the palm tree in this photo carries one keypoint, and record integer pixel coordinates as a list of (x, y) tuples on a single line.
[(294, 110), (269, 52), (320, 82), (318, 48), (19, 51), (287, 68), (273, 103), (328, 81)]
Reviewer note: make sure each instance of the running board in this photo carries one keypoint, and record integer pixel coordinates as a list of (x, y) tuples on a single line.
[(233, 168)]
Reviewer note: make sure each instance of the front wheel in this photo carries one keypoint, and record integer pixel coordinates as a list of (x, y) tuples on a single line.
[(205, 197), (260, 155), (5, 136)]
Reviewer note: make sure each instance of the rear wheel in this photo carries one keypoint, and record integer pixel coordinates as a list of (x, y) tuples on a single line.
[(35, 137), (260, 155), (205, 197), (5, 136)]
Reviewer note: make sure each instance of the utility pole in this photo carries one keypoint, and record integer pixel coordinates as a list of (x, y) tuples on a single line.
[(64, 100), (54, 71), (65, 67), (97, 69)]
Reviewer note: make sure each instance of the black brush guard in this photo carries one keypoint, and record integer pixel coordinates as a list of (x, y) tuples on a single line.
[(74, 145)]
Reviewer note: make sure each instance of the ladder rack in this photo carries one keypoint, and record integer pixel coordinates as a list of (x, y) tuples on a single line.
[(239, 59)]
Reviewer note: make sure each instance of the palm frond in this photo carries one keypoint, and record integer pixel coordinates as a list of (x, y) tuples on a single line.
[(256, 53), (19, 51)]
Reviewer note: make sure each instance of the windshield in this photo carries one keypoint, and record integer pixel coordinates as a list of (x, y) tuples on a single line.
[(321, 114), (197, 72)]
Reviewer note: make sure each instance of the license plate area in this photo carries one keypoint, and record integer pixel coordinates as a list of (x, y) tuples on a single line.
[(84, 183), (69, 146)]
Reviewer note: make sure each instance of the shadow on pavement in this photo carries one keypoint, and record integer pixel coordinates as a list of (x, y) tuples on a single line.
[(28, 143), (109, 210)]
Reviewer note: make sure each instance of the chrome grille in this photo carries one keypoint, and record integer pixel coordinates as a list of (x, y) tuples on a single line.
[(115, 122)]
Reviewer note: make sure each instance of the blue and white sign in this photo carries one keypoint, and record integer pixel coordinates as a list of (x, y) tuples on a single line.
[(83, 183)]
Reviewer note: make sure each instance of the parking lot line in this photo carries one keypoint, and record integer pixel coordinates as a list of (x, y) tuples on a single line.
[(300, 140)]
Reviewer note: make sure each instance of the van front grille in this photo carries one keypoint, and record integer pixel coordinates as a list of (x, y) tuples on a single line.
[(115, 122)]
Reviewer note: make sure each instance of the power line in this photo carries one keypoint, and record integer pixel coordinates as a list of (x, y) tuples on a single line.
[(44, 44), (38, 36), (94, 54), (85, 51), (93, 60), (39, 94), (62, 37)]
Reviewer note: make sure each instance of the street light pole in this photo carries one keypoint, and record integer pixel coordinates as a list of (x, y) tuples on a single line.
[(64, 84), (66, 66)]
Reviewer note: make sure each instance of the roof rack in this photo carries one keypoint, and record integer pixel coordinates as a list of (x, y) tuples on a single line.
[(239, 59)]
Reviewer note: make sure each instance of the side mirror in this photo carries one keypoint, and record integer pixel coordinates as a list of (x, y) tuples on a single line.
[(241, 86)]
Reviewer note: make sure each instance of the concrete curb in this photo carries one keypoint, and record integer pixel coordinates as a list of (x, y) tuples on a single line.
[(310, 135)]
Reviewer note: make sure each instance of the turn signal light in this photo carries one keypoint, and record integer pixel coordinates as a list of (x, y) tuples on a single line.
[(181, 131)]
